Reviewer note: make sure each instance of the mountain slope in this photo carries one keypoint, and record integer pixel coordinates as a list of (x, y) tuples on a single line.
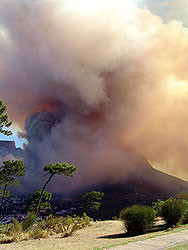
[(140, 187)]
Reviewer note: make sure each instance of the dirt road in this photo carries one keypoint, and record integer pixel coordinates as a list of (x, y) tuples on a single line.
[(158, 243)]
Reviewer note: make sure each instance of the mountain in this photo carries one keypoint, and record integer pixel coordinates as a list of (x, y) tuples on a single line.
[(142, 186), (9, 148)]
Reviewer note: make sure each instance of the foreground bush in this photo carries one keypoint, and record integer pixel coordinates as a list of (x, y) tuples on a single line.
[(138, 219), (65, 225), (184, 219), (184, 197), (29, 221), (173, 211), (157, 205), (28, 229), (38, 234), (14, 229)]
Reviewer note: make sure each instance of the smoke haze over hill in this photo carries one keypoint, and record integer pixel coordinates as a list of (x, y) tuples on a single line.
[(95, 82)]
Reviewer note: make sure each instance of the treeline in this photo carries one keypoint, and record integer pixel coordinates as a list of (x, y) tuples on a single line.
[(39, 201)]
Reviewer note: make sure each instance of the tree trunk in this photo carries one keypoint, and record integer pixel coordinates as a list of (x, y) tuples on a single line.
[(38, 204), (2, 200)]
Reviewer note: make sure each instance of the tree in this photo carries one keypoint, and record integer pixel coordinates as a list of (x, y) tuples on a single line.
[(4, 122), (7, 194), (59, 168), (8, 173), (44, 203), (91, 200)]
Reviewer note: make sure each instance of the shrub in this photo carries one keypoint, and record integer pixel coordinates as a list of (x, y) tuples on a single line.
[(173, 211), (157, 205), (185, 216), (38, 233), (49, 223), (7, 240), (85, 220), (29, 221), (72, 224), (46, 227), (138, 219), (14, 229), (65, 225)]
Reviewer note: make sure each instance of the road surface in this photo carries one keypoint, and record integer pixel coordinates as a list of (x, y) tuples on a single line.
[(158, 243)]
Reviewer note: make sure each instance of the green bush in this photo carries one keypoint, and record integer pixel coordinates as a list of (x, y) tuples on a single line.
[(49, 223), (29, 221), (185, 216), (138, 219), (157, 205), (184, 197), (173, 211)]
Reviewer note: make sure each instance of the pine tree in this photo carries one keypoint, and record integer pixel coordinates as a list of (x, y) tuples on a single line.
[(8, 176), (4, 122)]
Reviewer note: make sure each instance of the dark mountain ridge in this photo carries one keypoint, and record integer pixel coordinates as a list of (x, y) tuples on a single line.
[(141, 187)]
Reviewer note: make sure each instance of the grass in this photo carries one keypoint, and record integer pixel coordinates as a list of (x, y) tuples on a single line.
[(157, 232), (28, 230), (180, 247), (100, 235)]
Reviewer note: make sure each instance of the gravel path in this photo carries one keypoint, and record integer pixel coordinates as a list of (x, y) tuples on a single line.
[(158, 243)]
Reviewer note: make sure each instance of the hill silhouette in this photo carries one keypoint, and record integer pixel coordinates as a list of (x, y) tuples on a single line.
[(142, 186)]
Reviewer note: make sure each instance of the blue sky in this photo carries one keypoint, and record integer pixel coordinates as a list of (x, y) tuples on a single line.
[(19, 141)]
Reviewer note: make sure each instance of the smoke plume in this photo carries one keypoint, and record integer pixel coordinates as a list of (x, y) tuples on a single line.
[(93, 83)]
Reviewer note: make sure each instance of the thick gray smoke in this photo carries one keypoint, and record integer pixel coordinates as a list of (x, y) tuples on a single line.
[(95, 81), (72, 137)]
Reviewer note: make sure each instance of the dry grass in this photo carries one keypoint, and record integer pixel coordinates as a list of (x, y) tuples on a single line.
[(96, 236), (87, 238)]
